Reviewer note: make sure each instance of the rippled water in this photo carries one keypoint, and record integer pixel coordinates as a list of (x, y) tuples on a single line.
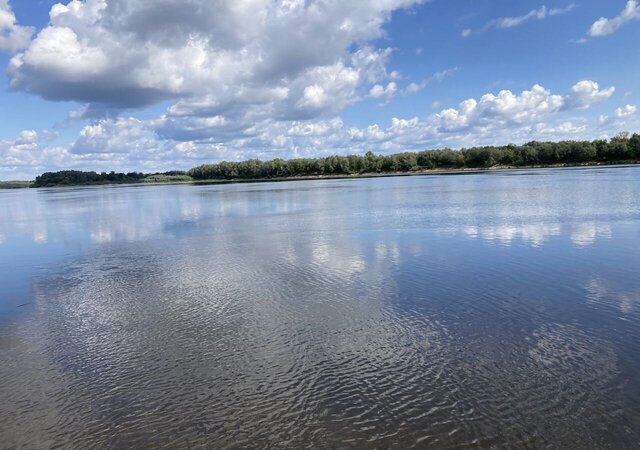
[(494, 310)]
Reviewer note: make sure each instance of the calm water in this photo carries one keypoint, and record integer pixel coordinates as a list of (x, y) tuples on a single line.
[(496, 310)]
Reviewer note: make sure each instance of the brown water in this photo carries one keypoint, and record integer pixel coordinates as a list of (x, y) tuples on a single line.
[(497, 310)]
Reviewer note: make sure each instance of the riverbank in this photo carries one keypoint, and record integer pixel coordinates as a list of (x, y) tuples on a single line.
[(157, 181), (619, 150), (423, 172), (15, 184)]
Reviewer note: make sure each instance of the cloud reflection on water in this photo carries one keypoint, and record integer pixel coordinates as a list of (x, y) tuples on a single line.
[(503, 210), (360, 311)]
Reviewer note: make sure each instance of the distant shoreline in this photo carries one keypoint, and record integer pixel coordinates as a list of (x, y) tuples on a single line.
[(413, 173), (619, 150), (9, 185)]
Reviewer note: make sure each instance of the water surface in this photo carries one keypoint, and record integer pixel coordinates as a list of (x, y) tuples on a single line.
[(492, 310)]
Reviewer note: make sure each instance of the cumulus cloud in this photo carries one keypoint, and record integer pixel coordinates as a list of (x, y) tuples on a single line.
[(28, 137), (249, 79), (323, 128), (492, 118), (379, 91), (287, 59), (22, 152), (114, 144), (489, 116), (122, 135), (626, 111), (587, 93), (605, 27), (567, 128), (619, 115), (505, 107), (510, 22), (127, 143), (507, 110), (13, 36)]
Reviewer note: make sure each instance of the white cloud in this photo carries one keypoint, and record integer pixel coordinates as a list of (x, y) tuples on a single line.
[(19, 154), (126, 144), (587, 93), (380, 91), (323, 128), (510, 22), (619, 115), (13, 36), (579, 41), (414, 88), (605, 27), (121, 145), (494, 113), (28, 136), (567, 128), (329, 88), (395, 75), (626, 111), (123, 135), (490, 119), (244, 59), (504, 108), (558, 11)]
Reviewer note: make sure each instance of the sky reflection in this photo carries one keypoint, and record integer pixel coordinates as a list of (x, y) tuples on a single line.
[(500, 209), (423, 311)]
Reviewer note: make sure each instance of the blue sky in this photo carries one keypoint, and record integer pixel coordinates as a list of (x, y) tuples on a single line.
[(157, 85)]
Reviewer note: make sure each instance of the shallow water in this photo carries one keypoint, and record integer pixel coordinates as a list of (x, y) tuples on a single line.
[(492, 310)]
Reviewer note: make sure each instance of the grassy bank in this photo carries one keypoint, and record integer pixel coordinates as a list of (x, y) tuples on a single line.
[(15, 184), (152, 179)]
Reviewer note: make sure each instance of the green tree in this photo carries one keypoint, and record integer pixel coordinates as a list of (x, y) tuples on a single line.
[(634, 145)]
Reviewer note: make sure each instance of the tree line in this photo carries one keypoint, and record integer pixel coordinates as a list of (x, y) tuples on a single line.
[(623, 148), (76, 177), (620, 149)]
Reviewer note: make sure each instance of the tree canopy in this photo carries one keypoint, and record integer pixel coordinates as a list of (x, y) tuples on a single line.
[(622, 148)]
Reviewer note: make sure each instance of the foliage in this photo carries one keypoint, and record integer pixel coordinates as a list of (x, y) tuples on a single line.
[(75, 177), (15, 184), (621, 148)]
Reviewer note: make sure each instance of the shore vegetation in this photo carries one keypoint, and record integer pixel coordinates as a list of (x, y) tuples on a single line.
[(621, 149)]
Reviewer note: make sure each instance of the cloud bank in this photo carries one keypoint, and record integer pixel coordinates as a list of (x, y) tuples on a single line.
[(251, 79), (127, 143), (289, 59)]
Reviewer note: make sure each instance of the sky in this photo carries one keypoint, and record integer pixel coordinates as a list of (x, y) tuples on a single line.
[(157, 85)]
